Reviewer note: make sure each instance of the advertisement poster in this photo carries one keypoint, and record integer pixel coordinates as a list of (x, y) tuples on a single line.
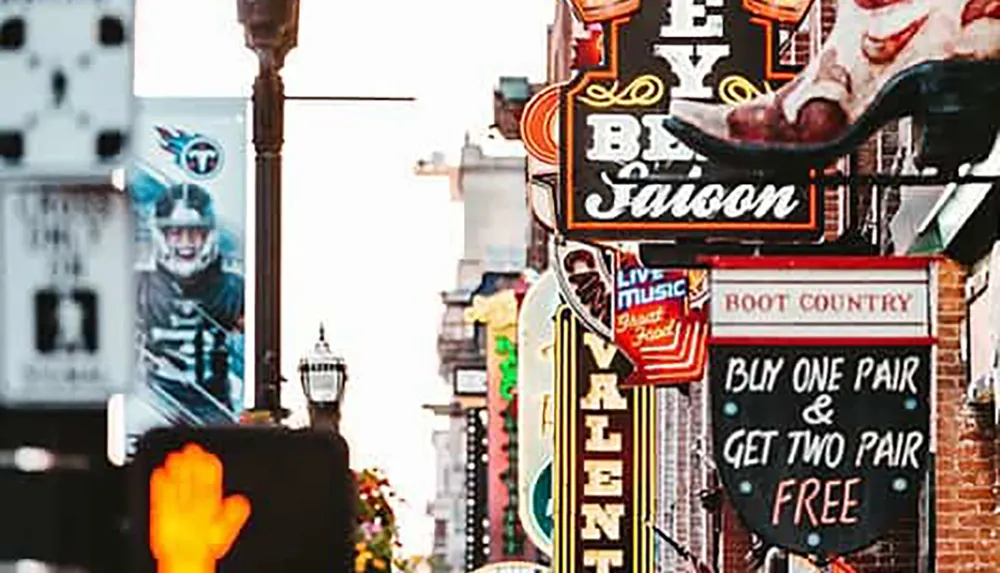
[(188, 190), (661, 321)]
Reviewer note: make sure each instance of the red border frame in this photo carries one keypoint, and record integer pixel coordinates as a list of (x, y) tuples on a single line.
[(816, 262)]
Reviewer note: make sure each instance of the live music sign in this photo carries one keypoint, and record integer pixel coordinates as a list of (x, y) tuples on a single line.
[(820, 377)]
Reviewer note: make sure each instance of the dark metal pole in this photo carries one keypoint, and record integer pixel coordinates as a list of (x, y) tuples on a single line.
[(271, 32), (268, 137)]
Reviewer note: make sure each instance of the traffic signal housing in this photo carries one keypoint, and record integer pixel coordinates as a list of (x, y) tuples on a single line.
[(295, 486)]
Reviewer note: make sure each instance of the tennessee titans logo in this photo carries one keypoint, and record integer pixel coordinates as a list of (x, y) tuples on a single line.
[(196, 154)]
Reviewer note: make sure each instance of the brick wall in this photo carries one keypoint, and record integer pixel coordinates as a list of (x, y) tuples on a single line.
[(896, 553), (967, 527), (735, 542)]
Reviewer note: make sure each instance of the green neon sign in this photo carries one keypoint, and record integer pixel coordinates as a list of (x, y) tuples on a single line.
[(508, 368)]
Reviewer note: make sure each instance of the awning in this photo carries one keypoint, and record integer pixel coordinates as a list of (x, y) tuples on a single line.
[(965, 219)]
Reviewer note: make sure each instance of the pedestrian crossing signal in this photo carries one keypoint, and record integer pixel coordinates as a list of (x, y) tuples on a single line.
[(191, 523), (241, 499)]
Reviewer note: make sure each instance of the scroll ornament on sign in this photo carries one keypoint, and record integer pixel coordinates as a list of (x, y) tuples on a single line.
[(586, 283), (661, 321)]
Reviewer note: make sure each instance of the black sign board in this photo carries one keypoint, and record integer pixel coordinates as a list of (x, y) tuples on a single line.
[(616, 152), (604, 456), (821, 448), (297, 486)]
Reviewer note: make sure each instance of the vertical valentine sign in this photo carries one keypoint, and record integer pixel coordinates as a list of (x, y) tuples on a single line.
[(660, 321), (604, 459), (820, 375)]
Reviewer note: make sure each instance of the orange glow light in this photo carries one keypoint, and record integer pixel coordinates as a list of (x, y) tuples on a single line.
[(540, 124), (783, 11), (191, 525)]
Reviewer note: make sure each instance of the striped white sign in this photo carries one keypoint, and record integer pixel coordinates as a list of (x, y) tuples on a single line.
[(820, 302)]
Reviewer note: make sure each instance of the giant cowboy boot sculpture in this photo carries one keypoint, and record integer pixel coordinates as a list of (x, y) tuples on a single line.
[(935, 60)]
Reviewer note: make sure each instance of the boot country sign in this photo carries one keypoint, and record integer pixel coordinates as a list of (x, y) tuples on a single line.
[(821, 381)]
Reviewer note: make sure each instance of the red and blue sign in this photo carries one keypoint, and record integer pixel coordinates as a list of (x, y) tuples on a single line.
[(661, 321)]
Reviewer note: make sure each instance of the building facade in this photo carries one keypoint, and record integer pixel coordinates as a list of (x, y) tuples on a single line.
[(496, 234)]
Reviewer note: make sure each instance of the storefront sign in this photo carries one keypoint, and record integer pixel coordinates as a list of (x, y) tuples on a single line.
[(499, 313), (541, 190), (540, 125), (585, 281), (541, 517), (513, 567), (617, 155), (821, 425), (536, 334), (859, 297), (660, 321), (469, 382), (604, 470), (476, 489)]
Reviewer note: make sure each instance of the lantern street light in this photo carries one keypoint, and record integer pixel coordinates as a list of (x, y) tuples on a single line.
[(324, 376)]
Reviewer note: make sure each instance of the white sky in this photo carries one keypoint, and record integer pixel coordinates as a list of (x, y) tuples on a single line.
[(367, 246)]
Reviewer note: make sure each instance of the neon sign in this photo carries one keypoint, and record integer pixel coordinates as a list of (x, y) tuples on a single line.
[(508, 368)]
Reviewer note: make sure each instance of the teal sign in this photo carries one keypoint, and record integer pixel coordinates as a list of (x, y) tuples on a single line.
[(541, 501)]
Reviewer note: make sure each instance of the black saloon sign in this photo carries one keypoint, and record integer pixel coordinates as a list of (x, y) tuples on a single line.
[(624, 175), (820, 372)]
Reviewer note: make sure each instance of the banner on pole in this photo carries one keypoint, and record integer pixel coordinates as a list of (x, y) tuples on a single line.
[(188, 192)]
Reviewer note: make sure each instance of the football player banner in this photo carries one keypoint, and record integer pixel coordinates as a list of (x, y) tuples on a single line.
[(821, 375), (604, 459), (661, 321), (188, 191)]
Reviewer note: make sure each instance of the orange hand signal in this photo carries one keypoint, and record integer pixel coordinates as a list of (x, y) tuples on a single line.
[(191, 526)]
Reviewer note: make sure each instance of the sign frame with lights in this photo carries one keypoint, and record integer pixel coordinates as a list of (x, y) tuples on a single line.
[(605, 457)]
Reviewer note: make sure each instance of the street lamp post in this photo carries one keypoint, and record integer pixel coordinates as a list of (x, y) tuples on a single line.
[(271, 31), (323, 375)]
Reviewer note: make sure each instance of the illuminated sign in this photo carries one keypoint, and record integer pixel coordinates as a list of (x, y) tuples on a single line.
[(585, 280), (476, 494), (661, 321), (623, 174), (821, 395), (498, 313), (536, 335), (540, 125), (605, 457), (241, 498), (513, 567), (191, 523), (512, 535)]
